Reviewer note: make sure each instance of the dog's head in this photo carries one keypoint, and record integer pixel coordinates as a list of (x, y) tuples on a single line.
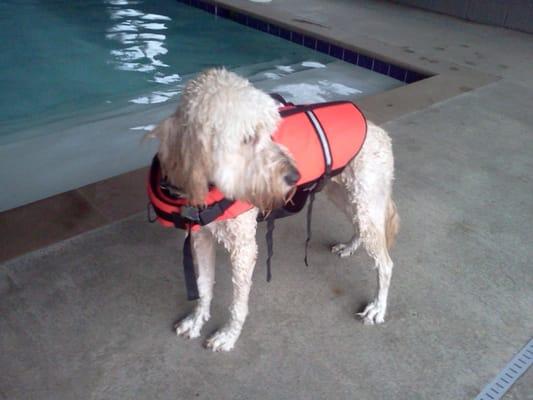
[(221, 134)]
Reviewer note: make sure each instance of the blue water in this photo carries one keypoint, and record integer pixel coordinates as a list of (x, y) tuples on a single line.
[(64, 58)]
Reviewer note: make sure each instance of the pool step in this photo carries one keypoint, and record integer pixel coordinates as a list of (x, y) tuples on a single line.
[(316, 82)]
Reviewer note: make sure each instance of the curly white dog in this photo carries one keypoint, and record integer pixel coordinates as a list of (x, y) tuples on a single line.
[(221, 134)]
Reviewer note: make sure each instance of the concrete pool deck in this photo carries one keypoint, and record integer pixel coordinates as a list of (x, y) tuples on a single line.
[(90, 317)]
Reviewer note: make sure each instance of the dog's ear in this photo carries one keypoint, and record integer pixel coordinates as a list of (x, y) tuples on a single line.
[(184, 158), (196, 185)]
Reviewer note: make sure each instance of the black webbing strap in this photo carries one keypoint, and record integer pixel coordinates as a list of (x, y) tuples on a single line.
[(278, 97), (326, 150), (309, 217), (188, 270), (201, 216), (209, 214), (270, 245)]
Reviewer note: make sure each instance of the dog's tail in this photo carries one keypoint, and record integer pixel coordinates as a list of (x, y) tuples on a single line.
[(392, 223)]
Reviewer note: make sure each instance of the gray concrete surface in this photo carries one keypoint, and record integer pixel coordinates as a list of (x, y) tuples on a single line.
[(90, 318), (428, 40), (516, 14)]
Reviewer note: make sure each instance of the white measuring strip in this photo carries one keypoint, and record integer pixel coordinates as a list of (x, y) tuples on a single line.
[(509, 375)]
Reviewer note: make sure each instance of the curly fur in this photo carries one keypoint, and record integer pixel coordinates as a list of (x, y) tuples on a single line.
[(221, 134)]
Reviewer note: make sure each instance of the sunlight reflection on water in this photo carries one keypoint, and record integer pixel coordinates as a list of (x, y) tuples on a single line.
[(141, 48)]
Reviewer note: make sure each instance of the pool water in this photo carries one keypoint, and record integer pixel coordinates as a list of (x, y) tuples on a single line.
[(82, 82), (61, 57)]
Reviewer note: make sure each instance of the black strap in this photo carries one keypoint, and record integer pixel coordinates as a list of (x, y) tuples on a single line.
[(279, 98), (270, 245), (311, 107), (212, 212), (194, 215), (328, 160), (203, 217), (188, 270), (309, 217)]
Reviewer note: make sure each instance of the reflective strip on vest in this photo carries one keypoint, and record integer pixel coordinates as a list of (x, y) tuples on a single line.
[(323, 140)]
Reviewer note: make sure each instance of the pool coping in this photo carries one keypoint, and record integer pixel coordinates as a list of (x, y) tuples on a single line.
[(51, 220), (335, 49)]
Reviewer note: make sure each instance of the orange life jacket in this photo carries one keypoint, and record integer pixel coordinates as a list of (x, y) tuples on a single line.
[(322, 139)]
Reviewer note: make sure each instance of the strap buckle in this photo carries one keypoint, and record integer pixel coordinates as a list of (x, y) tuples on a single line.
[(190, 213), (209, 214)]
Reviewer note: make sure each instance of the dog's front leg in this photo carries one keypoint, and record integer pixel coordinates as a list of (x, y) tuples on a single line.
[(203, 252), (238, 236)]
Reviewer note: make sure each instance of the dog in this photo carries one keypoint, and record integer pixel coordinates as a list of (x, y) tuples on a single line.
[(221, 135)]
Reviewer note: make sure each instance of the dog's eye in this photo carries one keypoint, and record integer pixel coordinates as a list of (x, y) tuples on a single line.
[(250, 140)]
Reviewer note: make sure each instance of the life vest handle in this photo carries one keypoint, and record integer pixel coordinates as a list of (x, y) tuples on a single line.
[(279, 97)]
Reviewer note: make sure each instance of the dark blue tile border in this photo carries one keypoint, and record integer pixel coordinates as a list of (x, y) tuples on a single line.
[(336, 51), (322, 46), (350, 56), (274, 30), (365, 61), (398, 73), (297, 38), (285, 34), (381, 67), (310, 42)]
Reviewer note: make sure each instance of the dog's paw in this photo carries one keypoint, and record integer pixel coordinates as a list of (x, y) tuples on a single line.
[(222, 340), (374, 313), (190, 326), (345, 249)]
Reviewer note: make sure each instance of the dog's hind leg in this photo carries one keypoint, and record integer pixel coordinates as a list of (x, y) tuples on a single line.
[(374, 240), (337, 193), (203, 252), (378, 224), (367, 213), (238, 236), (368, 183)]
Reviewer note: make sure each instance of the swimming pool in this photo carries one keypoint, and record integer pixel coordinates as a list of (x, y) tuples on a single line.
[(83, 81), (60, 57)]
